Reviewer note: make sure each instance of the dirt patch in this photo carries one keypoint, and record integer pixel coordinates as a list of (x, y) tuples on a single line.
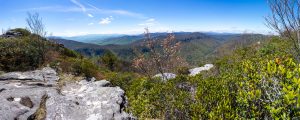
[(10, 99), (26, 101), (41, 112)]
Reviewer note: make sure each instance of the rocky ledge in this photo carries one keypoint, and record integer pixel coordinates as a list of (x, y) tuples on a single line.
[(27, 96)]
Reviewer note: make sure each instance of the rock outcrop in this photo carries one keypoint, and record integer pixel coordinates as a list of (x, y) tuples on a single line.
[(197, 70), (11, 34), (47, 74), (22, 96), (165, 76)]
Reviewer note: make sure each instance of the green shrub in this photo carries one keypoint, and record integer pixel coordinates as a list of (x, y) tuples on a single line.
[(20, 54), (109, 60), (80, 67), (121, 79), (183, 71), (255, 82)]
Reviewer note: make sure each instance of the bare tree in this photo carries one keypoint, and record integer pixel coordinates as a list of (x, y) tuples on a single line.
[(162, 56), (35, 24), (285, 19)]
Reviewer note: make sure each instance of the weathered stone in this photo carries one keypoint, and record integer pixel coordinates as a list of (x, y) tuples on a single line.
[(11, 34), (98, 102), (166, 76), (2, 89), (47, 74), (78, 101), (197, 70)]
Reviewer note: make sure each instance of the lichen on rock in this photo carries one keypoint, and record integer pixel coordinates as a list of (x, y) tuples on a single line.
[(25, 99)]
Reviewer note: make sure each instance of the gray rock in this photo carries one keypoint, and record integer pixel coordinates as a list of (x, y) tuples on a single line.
[(197, 70), (46, 74), (187, 87), (11, 34), (88, 101), (166, 76), (77, 101)]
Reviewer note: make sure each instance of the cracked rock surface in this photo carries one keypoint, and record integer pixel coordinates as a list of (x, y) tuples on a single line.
[(82, 100)]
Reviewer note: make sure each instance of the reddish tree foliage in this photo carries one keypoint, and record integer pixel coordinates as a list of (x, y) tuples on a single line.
[(162, 56)]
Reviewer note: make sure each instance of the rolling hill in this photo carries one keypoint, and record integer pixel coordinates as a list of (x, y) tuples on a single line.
[(196, 46)]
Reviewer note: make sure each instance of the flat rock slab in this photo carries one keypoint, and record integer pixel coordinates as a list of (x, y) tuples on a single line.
[(77, 101), (46, 74), (197, 70), (165, 76), (88, 101)]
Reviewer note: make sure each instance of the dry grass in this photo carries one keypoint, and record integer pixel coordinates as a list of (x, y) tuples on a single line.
[(41, 112), (67, 78)]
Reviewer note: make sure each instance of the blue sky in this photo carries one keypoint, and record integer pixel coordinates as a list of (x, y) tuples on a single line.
[(79, 17)]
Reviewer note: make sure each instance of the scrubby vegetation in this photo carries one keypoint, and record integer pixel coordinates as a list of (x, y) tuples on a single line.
[(31, 51), (252, 79), (260, 81)]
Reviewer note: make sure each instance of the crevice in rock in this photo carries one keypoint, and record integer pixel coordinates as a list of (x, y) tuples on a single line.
[(77, 103), (41, 112), (10, 99), (108, 85), (123, 104), (2, 89), (41, 85), (26, 101), (21, 113)]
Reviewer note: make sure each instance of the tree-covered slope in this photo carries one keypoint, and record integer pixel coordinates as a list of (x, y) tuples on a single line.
[(196, 47), (259, 81)]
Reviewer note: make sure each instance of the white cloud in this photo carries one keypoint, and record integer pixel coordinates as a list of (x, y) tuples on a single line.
[(79, 5), (90, 15), (52, 9), (105, 21), (91, 23), (118, 12), (82, 8), (148, 22)]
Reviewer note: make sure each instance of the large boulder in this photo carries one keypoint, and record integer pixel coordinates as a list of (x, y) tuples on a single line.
[(165, 76), (11, 34), (47, 74), (83, 100), (197, 70), (88, 101)]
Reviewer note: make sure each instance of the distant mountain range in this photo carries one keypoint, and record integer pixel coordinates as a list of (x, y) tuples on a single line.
[(92, 38), (122, 39), (196, 46)]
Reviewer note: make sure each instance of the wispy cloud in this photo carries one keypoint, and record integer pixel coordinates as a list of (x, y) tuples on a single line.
[(86, 9), (148, 23), (56, 8), (105, 21), (90, 15), (79, 5), (91, 23), (150, 20), (82, 7), (118, 12)]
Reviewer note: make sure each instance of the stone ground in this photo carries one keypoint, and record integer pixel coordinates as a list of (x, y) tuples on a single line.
[(95, 100)]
